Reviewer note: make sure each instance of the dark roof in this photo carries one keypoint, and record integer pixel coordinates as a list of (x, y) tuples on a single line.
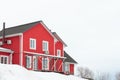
[(69, 58), (57, 37), (19, 29)]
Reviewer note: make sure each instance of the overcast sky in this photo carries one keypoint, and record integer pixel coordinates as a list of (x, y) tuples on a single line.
[(90, 28)]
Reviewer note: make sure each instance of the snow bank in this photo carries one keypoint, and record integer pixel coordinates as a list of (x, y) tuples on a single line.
[(16, 72)]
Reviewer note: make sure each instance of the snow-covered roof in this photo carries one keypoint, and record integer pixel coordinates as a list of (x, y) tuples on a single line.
[(5, 50)]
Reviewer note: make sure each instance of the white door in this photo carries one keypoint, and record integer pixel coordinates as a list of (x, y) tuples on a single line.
[(35, 63), (45, 64)]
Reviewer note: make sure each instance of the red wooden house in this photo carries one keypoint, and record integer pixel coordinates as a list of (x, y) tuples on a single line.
[(34, 47)]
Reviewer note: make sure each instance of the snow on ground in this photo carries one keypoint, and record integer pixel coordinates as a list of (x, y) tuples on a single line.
[(16, 72)]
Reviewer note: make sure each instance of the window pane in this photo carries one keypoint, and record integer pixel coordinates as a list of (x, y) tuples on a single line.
[(1, 59), (43, 46), (30, 43), (59, 53), (66, 67), (43, 63), (5, 59)]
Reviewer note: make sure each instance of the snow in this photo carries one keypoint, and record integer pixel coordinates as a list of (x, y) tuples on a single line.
[(16, 72)]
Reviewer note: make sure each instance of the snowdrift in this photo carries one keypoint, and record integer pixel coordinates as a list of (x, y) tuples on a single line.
[(16, 72)]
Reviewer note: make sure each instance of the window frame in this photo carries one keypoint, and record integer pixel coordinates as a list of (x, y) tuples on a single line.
[(45, 45), (32, 43)]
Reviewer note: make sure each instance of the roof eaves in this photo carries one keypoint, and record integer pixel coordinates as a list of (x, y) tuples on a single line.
[(24, 24), (69, 58)]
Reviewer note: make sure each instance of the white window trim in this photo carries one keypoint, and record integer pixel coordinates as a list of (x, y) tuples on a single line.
[(29, 62), (4, 56), (47, 46), (59, 51), (47, 64), (34, 48)]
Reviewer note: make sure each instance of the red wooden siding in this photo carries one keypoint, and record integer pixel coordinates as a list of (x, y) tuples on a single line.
[(39, 33), (59, 46), (15, 46), (59, 66), (21, 43)]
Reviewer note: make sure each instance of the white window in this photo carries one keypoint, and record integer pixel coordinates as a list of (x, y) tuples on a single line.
[(45, 63), (28, 61), (45, 45), (66, 67), (32, 43), (4, 59), (58, 52)]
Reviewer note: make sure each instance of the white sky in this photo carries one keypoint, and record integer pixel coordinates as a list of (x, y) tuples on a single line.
[(89, 27)]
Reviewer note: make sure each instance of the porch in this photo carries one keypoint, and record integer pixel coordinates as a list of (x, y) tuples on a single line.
[(6, 55), (45, 62)]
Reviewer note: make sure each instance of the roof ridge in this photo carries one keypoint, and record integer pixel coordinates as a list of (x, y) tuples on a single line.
[(19, 28), (24, 24)]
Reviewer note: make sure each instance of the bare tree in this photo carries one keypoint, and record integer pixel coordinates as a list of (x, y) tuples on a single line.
[(85, 73), (103, 76), (117, 76)]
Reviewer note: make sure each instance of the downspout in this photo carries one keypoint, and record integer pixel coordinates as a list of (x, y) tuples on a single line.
[(21, 50)]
